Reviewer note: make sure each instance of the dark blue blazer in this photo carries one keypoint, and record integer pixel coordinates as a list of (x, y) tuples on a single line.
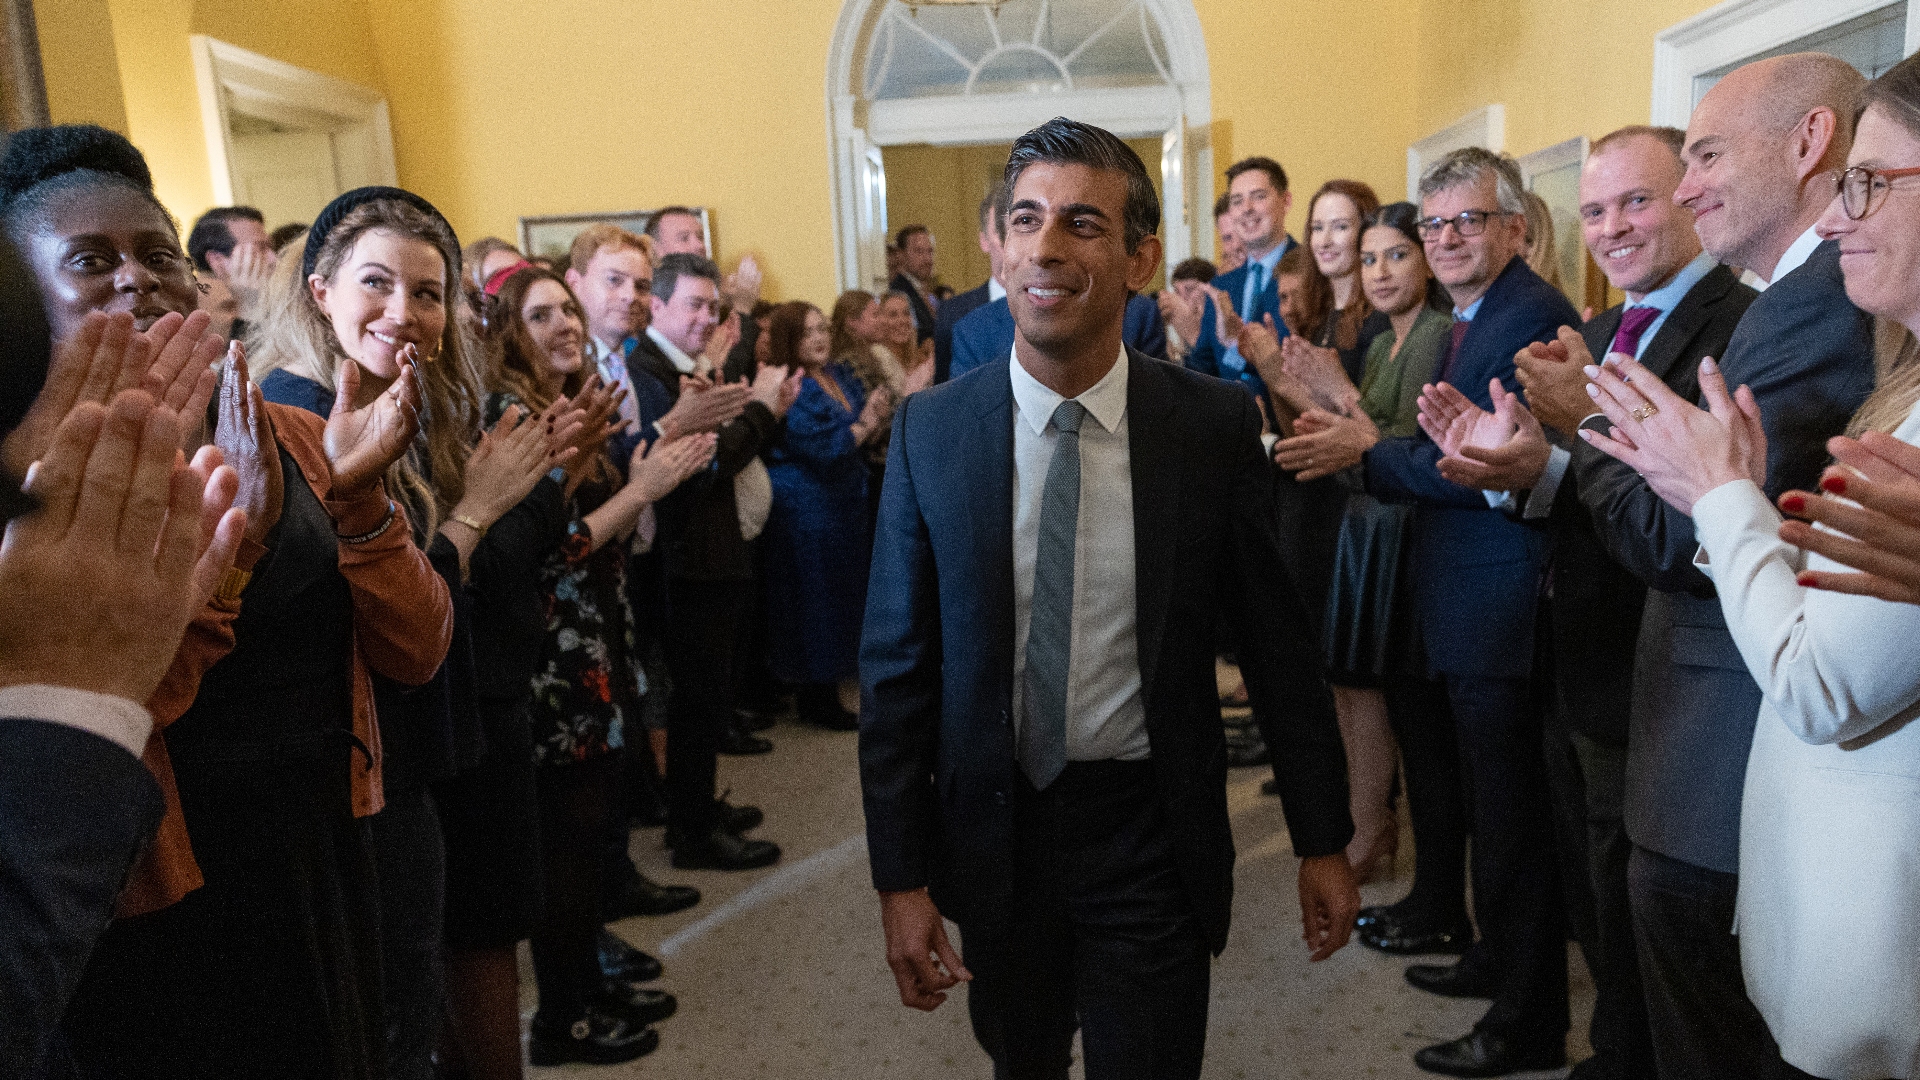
[(937, 768), (75, 811), (1807, 354), (952, 312), (1205, 355), (987, 334), (1476, 571)]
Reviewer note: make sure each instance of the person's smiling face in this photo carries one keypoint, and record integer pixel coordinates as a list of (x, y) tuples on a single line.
[(554, 324), (1067, 264), (1333, 234), (109, 249), (387, 293), (1880, 253), (1635, 232), (1393, 270)]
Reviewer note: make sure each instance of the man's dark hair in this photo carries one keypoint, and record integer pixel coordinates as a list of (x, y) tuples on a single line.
[(653, 223), (990, 206), (1199, 270), (1222, 206), (666, 276), (900, 238), (1061, 141), (1265, 164), (211, 232), (288, 233)]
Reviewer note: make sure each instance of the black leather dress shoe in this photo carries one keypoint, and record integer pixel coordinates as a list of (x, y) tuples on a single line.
[(595, 1038), (722, 850), (1451, 980), (1483, 1053), (739, 742), (1416, 936), (1248, 754), (637, 1005), (737, 819), (1370, 915), (623, 962), (641, 895)]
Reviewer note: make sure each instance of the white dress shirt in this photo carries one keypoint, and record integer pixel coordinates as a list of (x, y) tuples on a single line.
[(995, 290), (684, 364), (115, 719), (1106, 717), (612, 365)]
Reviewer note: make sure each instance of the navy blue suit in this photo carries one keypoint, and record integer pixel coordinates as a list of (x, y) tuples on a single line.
[(1205, 355), (1476, 574), (987, 334), (951, 313)]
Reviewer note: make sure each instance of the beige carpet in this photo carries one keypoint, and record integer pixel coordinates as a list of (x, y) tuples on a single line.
[(780, 972)]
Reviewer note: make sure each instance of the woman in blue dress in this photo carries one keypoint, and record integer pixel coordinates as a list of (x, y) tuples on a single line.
[(815, 545)]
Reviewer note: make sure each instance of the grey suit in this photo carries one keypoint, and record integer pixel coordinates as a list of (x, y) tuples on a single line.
[(1807, 353)]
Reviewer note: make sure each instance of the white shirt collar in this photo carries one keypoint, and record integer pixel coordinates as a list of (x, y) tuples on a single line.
[(683, 363), (1796, 254), (1105, 401), (995, 290)]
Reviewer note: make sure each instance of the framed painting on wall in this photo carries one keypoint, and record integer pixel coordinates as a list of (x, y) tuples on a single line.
[(552, 234)]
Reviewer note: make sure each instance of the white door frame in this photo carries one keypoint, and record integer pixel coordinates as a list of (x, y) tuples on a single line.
[(1737, 29), (287, 94), (854, 125), (1485, 127)]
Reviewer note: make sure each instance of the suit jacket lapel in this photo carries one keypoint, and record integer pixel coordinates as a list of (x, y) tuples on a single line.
[(1688, 318), (1155, 461), (987, 472)]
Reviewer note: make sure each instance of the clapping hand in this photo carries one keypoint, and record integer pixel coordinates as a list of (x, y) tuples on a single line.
[(1325, 443), (98, 584), (249, 268), (771, 388), (703, 406), (1228, 321), (1872, 522), (244, 434), (1183, 314), (1552, 374), (656, 470), (106, 356), (873, 415), (362, 442), (1682, 450), (722, 340), (1259, 343), (1502, 450), (503, 468), (918, 379), (742, 287), (1320, 369)]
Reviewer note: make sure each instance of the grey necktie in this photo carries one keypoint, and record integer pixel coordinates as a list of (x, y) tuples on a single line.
[(1042, 751)]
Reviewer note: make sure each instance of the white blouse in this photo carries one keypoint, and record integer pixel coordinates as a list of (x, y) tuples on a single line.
[(1829, 905)]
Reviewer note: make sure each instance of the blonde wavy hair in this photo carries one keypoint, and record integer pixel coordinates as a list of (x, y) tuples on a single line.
[(295, 335)]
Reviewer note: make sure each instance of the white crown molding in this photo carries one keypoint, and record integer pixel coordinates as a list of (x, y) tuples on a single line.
[(1737, 29)]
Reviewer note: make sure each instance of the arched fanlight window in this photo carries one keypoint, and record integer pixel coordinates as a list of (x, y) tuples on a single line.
[(1021, 46)]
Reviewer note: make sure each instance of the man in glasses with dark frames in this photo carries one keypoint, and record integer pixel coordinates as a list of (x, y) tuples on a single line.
[(1476, 574), (1763, 151)]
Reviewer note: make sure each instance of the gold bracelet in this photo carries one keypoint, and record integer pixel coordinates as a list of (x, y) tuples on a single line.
[(478, 529), (232, 584)]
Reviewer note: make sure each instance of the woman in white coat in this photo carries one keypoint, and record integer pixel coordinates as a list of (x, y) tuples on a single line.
[(1829, 906)]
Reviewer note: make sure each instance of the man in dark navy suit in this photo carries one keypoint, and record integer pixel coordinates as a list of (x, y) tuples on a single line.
[(1476, 579), (1257, 204), (973, 299), (1041, 752), (916, 278)]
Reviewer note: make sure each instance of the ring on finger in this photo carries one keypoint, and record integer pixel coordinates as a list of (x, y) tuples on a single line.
[(1644, 411)]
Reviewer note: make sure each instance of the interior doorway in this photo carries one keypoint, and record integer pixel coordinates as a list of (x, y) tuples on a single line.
[(1689, 57), (283, 139), (953, 81)]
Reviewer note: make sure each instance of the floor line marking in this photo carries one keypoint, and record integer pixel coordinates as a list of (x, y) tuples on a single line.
[(787, 879)]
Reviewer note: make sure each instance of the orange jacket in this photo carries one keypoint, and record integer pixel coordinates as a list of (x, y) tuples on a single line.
[(402, 622)]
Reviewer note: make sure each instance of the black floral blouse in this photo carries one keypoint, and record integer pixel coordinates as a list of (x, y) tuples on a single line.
[(588, 679)]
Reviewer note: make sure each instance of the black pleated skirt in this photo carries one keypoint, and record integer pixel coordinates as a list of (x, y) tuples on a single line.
[(1369, 610)]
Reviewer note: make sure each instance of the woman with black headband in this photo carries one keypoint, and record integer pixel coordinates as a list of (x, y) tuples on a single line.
[(247, 942)]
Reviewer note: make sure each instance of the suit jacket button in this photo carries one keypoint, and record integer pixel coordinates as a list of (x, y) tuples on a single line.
[(1000, 798)]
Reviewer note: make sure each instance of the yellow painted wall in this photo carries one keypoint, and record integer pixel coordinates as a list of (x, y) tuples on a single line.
[(502, 109), (77, 55)]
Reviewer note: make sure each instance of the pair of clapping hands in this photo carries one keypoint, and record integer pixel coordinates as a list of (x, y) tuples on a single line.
[(130, 539)]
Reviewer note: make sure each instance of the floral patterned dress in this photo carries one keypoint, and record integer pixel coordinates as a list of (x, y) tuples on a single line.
[(587, 682)]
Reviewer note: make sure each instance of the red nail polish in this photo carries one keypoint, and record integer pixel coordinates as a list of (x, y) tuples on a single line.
[(1805, 580), (1794, 504), (1835, 484)]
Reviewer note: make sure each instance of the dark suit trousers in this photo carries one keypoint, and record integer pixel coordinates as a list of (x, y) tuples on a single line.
[(1436, 795), (1516, 878), (1704, 1028), (1606, 941), (1100, 929), (703, 621)]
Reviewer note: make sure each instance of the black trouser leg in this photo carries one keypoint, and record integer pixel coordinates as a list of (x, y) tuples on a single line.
[(410, 855), (1620, 1006), (702, 630), (1100, 931), (1516, 895), (1704, 1028), (575, 801), (1436, 797)]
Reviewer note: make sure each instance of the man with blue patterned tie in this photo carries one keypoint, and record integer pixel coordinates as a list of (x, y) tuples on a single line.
[(1041, 753), (1257, 205)]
